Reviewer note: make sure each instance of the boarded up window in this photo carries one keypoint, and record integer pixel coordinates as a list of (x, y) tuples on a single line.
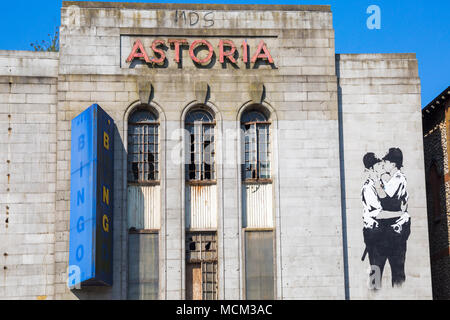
[(201, 266), (143, 266), (194, 282), (259, 262)]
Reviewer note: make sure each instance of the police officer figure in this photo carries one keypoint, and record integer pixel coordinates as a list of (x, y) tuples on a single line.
[(387, 224)]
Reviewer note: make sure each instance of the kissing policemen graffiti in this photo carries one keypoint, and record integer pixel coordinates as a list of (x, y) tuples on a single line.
[(387, 224)]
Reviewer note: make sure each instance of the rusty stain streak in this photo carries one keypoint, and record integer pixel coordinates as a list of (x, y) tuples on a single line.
[(9, 124), (202, 207), (5, 267), (144, 207), (8, 164), (41, 298)]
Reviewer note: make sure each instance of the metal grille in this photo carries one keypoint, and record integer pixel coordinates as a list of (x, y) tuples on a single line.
[(200, 157), (143, 148), (201, 248), (256, 151), (209, 280)]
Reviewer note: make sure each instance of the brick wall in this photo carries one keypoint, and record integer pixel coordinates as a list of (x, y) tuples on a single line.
[(435, 144)]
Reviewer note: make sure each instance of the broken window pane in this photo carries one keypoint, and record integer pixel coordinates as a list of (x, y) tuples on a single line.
[(256, 146), (143, 147), (201, 266), (200, 125)]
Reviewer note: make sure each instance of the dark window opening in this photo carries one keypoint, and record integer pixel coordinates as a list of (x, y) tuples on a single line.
[(135, 171)]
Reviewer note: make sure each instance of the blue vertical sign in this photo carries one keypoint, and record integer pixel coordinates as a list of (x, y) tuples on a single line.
[(91, 187)]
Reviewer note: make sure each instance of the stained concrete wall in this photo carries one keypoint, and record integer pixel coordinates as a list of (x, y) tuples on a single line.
[(380, 108), (378, 98), (300, 91), (28, 91)]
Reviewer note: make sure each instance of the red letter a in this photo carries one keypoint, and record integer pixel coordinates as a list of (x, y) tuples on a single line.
[(266, 55), (138, 52)]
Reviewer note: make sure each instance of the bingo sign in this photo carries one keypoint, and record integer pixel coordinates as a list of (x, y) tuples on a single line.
[(91, 199)]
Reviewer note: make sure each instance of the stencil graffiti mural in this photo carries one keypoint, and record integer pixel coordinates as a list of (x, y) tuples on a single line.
[(385, 216)]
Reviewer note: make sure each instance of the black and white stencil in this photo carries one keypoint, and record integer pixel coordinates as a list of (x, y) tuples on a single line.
[(386, 219)]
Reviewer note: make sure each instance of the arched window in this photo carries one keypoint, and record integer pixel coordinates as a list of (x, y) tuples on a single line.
[(143, 147), (143, 204), (256, 128), (200, 157), (201, 206), (257, 208)]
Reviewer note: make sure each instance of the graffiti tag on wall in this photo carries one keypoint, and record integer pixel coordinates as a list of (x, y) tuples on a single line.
[(194, 18)]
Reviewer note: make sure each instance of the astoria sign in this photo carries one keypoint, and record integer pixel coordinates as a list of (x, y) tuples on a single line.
[(200, 51)]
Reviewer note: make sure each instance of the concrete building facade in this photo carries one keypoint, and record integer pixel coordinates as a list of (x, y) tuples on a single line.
[(278, 211)]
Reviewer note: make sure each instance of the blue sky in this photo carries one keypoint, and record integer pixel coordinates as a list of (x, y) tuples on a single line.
[(416, 26)]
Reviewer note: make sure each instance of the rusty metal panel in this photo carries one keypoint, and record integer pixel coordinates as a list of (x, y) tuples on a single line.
[(201, 207), (143, 266), (257, 206), (144, 207), (194, 281), (259, 265)]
